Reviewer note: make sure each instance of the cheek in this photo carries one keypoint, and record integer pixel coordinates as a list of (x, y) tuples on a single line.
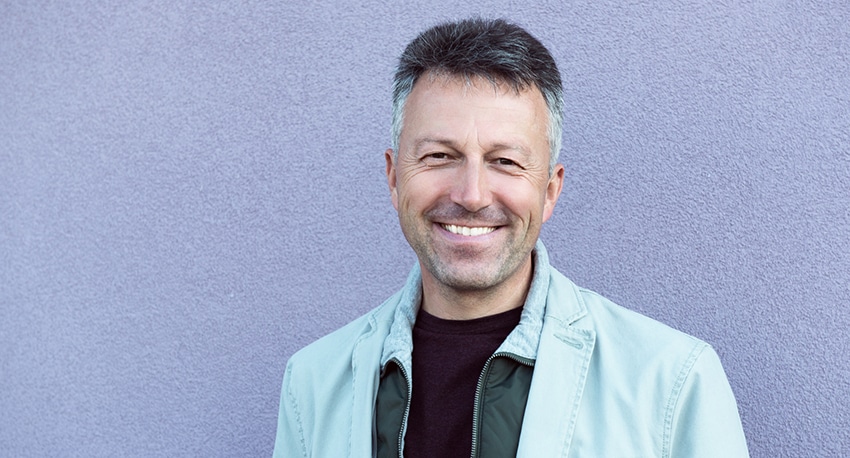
[(523, 199), (421, 191), (409, 201)]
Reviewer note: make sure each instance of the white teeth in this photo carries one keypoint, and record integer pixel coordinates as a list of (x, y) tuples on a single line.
[(468, 231)]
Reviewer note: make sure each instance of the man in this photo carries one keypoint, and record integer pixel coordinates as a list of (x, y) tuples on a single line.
[(487, 350)]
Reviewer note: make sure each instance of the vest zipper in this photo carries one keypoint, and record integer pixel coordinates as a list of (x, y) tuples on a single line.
[(406, 408), (482, 379)]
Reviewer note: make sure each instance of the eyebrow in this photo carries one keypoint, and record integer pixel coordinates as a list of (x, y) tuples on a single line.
[(439, 141)]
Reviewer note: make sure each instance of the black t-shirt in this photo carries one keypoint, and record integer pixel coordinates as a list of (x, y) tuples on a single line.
[(448, 356)]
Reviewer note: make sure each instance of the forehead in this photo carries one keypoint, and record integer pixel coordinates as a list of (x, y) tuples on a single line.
[(456, 107)]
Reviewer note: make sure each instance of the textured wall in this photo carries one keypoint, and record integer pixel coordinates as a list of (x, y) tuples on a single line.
[(190, 191)]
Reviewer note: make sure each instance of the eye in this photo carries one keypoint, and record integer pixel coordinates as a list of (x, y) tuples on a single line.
[(505, 161), (435, 158)]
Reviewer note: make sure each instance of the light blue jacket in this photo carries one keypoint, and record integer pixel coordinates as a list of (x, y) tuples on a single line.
[(607, 381)]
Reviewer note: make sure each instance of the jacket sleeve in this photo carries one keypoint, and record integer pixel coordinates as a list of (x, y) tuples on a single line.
[(289, 441), (703, 420)]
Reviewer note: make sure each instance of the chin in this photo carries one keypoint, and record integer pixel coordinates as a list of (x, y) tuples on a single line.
[(468, 279)]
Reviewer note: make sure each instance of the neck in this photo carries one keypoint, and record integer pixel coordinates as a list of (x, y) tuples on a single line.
[(450, 303)]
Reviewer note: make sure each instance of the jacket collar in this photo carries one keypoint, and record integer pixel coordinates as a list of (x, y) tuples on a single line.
[(399, 342), (524, 339)]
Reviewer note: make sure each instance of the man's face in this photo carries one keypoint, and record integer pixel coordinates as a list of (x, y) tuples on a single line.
[(471, 180)]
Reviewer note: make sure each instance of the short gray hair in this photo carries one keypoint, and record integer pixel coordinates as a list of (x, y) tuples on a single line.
[(493, 49)]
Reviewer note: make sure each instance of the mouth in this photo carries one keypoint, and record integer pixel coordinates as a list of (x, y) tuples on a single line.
[(467, 231)]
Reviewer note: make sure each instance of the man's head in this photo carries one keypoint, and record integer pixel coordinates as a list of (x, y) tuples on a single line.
[(495, 50), (472, 174)]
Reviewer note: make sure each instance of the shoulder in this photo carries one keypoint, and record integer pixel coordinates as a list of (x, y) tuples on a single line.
[(656, 388), (653, 355), (632, 351), (611, 320), (323, 382), (336, 348), (650, 359), (619, 327)]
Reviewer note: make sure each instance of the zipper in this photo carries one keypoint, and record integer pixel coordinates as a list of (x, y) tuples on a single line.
[(476, 410), (406, 408)]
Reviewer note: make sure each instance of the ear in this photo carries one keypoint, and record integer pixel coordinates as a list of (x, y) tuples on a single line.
[(553, 191), (391, 179)]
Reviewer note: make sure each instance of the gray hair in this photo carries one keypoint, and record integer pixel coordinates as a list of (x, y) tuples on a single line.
[(496, 50)]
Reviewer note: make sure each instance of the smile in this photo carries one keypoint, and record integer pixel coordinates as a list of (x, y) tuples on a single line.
[(467, 231)]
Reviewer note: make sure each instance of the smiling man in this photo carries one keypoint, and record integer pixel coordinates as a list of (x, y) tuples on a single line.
[(487, 350), (472, 186)]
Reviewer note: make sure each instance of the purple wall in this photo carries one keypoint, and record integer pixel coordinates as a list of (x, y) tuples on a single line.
[(190, 192)]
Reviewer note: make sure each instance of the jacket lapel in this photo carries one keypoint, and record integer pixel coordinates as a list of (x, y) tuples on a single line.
[(560, 372)]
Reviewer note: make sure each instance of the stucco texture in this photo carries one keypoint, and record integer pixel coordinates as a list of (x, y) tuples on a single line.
[(191, 191)]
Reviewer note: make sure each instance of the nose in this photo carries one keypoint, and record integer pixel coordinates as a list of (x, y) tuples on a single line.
[(470, 188)]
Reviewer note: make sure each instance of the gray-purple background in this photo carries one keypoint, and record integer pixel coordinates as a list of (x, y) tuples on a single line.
[(191, 191)]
